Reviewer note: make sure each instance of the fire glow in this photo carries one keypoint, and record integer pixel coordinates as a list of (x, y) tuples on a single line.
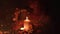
[(26, 24)]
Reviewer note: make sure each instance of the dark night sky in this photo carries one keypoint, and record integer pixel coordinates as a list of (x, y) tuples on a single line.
[(12, 3)]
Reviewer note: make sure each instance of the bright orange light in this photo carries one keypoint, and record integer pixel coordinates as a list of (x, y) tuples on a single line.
[(26, 27), (26, 24)]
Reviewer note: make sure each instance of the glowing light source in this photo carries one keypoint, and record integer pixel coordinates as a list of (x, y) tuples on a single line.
[(26, 20), (22, 28), (26, 24)]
